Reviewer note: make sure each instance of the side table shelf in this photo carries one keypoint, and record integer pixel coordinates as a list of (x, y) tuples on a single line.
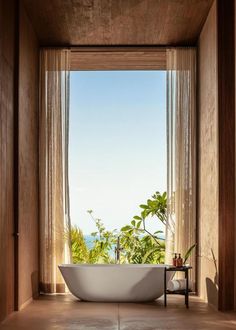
[(185, 292)]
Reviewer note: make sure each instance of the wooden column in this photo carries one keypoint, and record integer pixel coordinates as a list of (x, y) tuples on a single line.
[(226, 117), (8, 10)]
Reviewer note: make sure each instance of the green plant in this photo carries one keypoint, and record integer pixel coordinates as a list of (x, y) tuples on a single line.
[(141, 249), (156, 206), (139, 244), (100, 250), (188, 253), (102, 244), (79, 250)]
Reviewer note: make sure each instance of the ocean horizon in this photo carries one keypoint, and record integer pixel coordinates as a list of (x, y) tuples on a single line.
[(89, 239)]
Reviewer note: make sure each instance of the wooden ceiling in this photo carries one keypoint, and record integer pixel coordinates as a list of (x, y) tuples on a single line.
[(117, 22)]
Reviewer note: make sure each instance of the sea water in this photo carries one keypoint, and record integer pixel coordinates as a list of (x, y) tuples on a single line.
[(89, 239)]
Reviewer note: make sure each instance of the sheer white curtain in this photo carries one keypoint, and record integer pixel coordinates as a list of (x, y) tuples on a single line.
[(53, 153), (181, 149)]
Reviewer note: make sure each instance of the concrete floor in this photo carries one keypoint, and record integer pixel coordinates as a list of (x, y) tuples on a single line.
[(65, 312)]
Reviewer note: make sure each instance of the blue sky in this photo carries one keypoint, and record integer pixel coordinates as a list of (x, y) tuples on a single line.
[(117, 148)]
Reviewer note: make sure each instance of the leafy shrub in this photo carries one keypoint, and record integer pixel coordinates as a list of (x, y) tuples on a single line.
[(139, 245)]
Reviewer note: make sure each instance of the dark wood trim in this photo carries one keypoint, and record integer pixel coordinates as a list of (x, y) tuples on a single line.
[(118, 58), (117, 48), (16, 156), (226, 118)]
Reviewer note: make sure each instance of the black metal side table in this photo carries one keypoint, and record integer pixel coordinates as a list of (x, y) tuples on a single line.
[(185, 292)]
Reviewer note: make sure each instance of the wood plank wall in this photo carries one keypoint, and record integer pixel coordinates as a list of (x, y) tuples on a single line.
[(19, 261), (216, 149), (208, 187), (28, 161), (7, 67), (226, 120)]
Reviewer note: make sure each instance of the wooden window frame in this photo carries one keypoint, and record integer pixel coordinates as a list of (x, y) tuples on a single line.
[(118, 58)]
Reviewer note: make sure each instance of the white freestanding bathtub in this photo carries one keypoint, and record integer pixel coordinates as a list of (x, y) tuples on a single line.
[(115, 283)]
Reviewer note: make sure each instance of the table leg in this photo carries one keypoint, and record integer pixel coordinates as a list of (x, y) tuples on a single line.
[(165, 298), (186, 289)]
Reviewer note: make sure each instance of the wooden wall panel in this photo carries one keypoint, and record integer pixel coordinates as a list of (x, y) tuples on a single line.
[(226, 100), (235, 158), (217, 157), (7, 65), (208, 186), (28, 161)]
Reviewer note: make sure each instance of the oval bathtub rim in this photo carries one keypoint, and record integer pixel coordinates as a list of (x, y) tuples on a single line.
[(114, 265)]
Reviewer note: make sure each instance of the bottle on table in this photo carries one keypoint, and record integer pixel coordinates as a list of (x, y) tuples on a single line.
[(175, 260), (179, 261)]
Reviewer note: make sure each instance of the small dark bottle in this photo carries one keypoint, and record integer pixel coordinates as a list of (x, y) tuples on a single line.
[(179, 261), (175, 260)]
